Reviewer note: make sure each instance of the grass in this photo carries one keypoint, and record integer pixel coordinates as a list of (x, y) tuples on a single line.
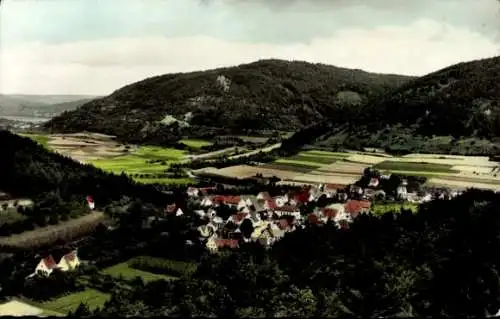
[(10, 216), (195, 143), (413, 166), (40, 139), (380, 209), (287, 167), (418, 173), (137, 163), (63, 305), (307, 158), (129, 273)]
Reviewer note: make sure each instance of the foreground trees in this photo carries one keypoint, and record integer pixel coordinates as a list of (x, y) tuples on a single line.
[(443, 261)]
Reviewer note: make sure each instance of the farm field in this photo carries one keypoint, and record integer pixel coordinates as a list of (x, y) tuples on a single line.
[(140, 162), (68, 230), (415, 166), (93, 298), (195, 143), (104, 152), (40, 139), (315, 167), (129, 273)]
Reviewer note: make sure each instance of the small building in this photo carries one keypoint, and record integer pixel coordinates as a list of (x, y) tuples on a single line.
[(193, 192), (374, 182), (45, 266), (356, 207), (69, 261), (263, 196), (207, 202)]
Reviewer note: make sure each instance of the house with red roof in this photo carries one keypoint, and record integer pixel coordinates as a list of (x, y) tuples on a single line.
[(330, 213), (270, 204), (302, 197), (227, 200), (356, 207), (333, 188), (45, 266), (214, 244), (70, 261), (238, 218)]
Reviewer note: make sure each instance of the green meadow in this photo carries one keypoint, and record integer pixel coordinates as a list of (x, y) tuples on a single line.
[(129, 273), (150, 160), (93, 298)]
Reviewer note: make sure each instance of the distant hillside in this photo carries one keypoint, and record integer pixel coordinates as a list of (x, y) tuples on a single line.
[(458, 105), (40, 105), (267, 94)]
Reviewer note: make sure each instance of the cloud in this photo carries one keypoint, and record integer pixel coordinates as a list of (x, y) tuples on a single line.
[(102, 66)]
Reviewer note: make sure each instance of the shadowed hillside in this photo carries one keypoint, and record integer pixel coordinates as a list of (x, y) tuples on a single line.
[(453, 110)]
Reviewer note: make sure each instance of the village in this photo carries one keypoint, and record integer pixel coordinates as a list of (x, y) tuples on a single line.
[(226, 221)]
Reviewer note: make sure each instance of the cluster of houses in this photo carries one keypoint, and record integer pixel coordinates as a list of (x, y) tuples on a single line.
[(265, 219), (47, 265), (272, 217)]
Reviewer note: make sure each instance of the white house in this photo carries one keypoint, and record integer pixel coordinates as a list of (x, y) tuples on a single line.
[(193, 192), (426, 198), (242, 204), (401, 192), (90, 202), (287, 210), (69, 261), (281, 201), (45, 266), (200, 213), (374, 182), (179, 212), (207, 202), (263, 196)]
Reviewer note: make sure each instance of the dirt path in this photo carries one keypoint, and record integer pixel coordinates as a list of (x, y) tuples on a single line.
[(264, 150)]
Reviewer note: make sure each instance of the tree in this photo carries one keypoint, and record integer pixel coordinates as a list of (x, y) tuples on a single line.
[(246, 228), (82, 311)]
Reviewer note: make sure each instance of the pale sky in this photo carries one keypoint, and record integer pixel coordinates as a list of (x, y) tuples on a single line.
[(98, 46)]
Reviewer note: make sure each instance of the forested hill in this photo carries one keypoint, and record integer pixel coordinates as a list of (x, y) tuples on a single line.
[(458, 105), (267, 94), (460, 100), (29, 170)]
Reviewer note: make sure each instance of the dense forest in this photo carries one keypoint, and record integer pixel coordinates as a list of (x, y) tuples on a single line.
[(441, 261), (264, 95), (57, 184), (454, 110)]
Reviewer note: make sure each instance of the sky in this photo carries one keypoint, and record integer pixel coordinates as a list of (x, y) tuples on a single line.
[(97, 46)]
